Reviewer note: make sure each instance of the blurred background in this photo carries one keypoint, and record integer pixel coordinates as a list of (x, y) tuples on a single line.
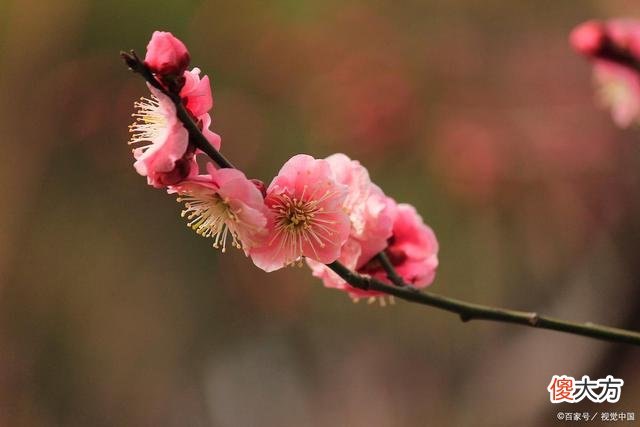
[(112, 313)]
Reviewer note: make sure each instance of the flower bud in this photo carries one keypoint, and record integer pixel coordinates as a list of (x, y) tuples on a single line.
[(166, 55), (588, 37)]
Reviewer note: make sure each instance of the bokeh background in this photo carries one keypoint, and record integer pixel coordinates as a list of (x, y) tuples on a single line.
[(112, 313)]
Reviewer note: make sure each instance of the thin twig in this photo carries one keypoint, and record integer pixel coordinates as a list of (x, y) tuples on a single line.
[(612, 51), (470, 311), (467, 311), (392, 274)]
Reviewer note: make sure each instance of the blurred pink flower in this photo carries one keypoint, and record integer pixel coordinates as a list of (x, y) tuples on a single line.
[(614, 46), (588, 37), (619, 90), (366, 101), (166, 54), (469, 153), (365, 97), (163, 156), (613, 39), (306, 215), (224, 203), (624, 33)]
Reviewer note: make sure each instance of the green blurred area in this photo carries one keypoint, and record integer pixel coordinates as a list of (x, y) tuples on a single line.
[(113, 313)]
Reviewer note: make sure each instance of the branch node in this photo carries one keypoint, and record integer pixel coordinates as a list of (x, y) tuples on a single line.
[(465, 317), (129, 59), (534, 318)]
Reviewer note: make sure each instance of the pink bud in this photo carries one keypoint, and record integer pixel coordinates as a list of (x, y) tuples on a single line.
[(587, 38), (166, 54)]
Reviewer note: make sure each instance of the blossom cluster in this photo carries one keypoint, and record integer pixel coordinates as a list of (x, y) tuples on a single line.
[(315, 210), (614, 48)]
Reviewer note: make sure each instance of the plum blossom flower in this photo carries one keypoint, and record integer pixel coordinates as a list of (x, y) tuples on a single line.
[(371, 215), (306, 215), (412, 250), (196, 96), (166, 55), (162, 154), (614, 47), (166, 158), (357, 252), (223, 203), (352, 174), (196, 93)]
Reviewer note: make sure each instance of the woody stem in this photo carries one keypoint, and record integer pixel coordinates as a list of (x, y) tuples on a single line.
[(612, 52), (466, 310), (470, 311)]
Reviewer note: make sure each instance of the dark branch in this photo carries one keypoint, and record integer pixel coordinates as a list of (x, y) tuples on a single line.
[(390, 270), (611, 51), (467, 311)]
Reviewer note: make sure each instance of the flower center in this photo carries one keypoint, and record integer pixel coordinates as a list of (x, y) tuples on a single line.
[(210, 215), (296, 214), (149, 122), (301, 222)]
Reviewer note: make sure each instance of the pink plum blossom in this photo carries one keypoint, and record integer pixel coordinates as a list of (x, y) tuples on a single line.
[(357, 252), (223, 203), (196, 96), (165, 157), (162, 155), (614, 47), (352, 174), (166, 54), (412, 249), (214, 139), (371, 215), (306, 215), (350, 257), (196, 93)]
